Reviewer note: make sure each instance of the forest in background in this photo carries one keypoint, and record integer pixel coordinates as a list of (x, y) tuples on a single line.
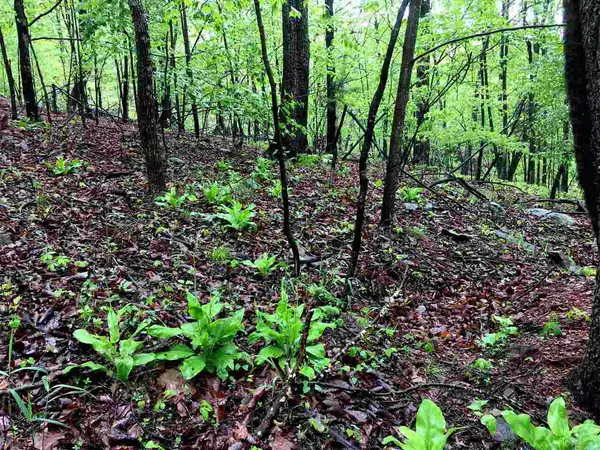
[(228, 224)]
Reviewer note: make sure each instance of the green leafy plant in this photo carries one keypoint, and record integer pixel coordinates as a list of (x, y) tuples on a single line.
[(283, 332), (552, 327), (63, 166), (211, 339), (173, 200), (236, 216), (307, 160), (53, 260), (216, 194), (559, 436), (275, 190), (578, 314), (224, 165), (430, 432), (495, 342), (265, 264), (410, 194), (123, 354), (262, 171)]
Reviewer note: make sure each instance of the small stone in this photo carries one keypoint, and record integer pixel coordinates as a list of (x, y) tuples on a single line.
[(421, 309), (411, 206), (5, 239)]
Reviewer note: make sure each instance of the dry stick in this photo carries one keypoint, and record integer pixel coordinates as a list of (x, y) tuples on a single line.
[(335, 147), (287, 227)]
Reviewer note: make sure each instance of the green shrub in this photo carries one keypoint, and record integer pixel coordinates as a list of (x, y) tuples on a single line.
[(123, 354), (265, 264), (211, 339), (430, 432), (237, 217), (63, 166), (216, 194), (173, 200), (283, 332), (559, 436)]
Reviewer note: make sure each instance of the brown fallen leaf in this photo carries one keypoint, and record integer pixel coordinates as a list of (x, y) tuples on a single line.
[(47, 441)]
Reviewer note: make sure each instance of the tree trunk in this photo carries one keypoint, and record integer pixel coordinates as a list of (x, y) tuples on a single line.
[(287, 225), (188, 59), (331, 146), (27, 86), (502, 159), (422, 147), (368, 140), (125, 91), (556, 183), (156, 164), (396, 139), (296, 62), (10, 78), (582, 40)]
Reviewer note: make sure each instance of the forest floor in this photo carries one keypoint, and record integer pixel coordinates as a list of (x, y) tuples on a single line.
[(440, 291)]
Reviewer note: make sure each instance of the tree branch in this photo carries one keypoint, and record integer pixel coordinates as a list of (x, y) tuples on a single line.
[(485, 33), (56, 5)]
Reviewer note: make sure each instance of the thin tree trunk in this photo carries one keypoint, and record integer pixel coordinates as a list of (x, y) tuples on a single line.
[(155, 159), (125, 91), (10, 78), (28, 88), (330, 146), (287, 225), (396, 139), (44, 89), (188, 59), (368, 140), (422, 147)]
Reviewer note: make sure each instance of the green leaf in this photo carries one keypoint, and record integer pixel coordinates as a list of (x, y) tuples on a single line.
[(272, 351), (129, 346), (490, 422), (124, 367), (162, 332), (558, 420), (176, 352), (308, 372), (317, 329), (99, 343), (192, 366), (142, 359), (87, 365), (112, 319)]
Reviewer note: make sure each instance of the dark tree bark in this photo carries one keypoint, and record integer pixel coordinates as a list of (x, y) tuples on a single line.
[(31, 106), (10, 78), (188, 59), (396, 139), (156, 164), (287, 223), (296, 62), (330, 146), (422, 147), (582, 41), (125, 90), (502, 160), (368, 140)]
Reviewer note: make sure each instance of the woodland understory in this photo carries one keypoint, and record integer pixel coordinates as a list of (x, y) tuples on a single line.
[(411, 328)]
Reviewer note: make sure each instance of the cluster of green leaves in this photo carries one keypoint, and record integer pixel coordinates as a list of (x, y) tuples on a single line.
[(171, 199), (265, 264), (283, 331), (236, 216), (497, 341), (558, 435), (122, 354), (54, 261), (410, 194), (63, 166), (211, 339), (262, 171), (430, 432), (216, 194)]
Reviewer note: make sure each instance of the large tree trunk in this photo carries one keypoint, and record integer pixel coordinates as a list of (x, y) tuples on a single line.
[(368, 140), (156, 165), (296, 61), (502, 159), (10, 78), (396, 139), (27, 86), (331, 146), (582, 41)]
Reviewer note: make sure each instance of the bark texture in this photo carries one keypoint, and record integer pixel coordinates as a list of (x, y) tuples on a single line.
[(582, 47), (31, 106), (154, 156), (396, 140), (296, 61), (10, 78)]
